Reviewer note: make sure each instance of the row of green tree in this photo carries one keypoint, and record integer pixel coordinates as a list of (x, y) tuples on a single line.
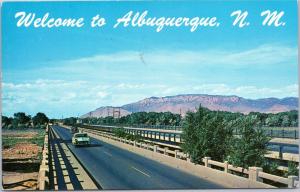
[(283, 119), (145, 118), (211, 134), (22, 120)]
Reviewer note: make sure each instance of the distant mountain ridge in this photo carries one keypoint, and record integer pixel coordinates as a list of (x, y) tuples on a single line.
[(180, 104)]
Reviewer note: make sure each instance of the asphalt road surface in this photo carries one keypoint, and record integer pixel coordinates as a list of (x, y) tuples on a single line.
[(116, 168)]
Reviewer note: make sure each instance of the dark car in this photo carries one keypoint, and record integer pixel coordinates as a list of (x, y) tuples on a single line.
[(74, 130)]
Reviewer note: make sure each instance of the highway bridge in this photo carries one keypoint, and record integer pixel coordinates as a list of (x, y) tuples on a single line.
[(110, 167), (116, 163)]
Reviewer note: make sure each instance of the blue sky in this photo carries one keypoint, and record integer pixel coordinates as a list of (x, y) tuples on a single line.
[(70, 71)]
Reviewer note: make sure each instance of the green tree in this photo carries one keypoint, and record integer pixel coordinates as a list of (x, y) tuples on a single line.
[(40, 119), (248, 148), (294, 123), (285, 121), (205, 133), (21, 119), (272, 121), (6, 121), (70, 121)]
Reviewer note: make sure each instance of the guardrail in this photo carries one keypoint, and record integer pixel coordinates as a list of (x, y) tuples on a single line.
[(43, 176), (166, 127), (253, 173)]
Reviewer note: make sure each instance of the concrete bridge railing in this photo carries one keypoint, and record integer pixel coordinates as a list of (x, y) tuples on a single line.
[(254, 174), (43, 176)]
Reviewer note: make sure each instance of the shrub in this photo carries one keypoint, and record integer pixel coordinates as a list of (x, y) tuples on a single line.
[(248, 148), (205, 133), (292, 169), (119, 132)]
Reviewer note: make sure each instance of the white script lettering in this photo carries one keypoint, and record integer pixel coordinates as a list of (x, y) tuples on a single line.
[(140, 20), (28, 19)]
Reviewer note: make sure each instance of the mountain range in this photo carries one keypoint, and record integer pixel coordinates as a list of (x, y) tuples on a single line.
[(180, 104)]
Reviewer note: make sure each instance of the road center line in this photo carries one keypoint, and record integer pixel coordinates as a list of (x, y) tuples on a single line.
[(107, 153), (140, 171)]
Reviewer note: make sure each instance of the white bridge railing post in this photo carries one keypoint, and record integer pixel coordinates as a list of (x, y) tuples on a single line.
[(253, 173), (226, 166), (176, 154), (206, 161), (165, 150), (291, 181)]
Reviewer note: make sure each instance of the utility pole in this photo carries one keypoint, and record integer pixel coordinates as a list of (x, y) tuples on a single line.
[(107, 109), (118, 112)]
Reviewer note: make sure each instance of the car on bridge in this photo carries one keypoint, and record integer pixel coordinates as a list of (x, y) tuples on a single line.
[(81, 139), (74, 130)]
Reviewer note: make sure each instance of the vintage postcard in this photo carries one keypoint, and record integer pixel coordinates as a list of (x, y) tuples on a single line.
[(149, 95)]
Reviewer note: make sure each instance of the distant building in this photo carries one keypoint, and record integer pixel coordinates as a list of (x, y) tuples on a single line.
[(79, 121)]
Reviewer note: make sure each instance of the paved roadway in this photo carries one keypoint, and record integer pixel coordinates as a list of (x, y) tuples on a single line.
[(115, 168)]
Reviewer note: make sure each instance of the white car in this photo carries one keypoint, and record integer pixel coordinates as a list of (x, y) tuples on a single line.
[(80, 139)]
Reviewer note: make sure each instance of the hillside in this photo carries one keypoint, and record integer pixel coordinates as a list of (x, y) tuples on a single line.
[(183, 103)]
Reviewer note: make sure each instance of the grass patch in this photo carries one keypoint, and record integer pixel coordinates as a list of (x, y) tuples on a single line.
[(10, 141)]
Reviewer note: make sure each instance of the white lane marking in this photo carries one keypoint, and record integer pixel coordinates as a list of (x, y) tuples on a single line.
[(140, 171), (107, 153)]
